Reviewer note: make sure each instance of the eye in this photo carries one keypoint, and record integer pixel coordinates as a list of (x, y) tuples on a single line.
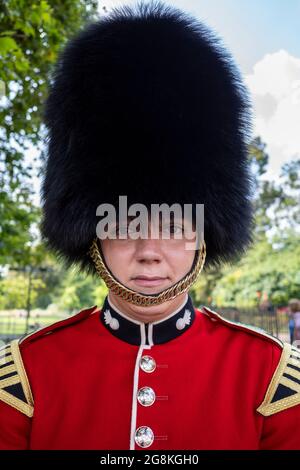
[(173, 229), (177, 228)]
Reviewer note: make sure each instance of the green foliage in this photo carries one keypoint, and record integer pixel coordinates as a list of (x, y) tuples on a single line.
[(272, 265), (69, 291), (276, 204), (201, 290), (14, 291), (77, 291), (272, 272), (100, 292), (258, 157), (31, 35)]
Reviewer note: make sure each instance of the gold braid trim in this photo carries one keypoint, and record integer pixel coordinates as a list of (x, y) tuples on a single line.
[(145, 300), (287, 377), (18, 377)]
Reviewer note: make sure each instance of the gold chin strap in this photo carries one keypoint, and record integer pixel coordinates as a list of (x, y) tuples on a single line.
[(146, 300)]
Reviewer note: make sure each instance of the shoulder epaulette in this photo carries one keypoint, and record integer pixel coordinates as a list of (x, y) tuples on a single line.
[(284, 389), (241, 326), (45, 330), (14, 385)]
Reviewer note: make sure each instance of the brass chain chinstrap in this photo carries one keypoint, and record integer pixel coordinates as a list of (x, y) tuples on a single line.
[(143, 299)]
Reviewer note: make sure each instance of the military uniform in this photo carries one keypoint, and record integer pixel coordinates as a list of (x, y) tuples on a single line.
[(147, 103), (194, 380)]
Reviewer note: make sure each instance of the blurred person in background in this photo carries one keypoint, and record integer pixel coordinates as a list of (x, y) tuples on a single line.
[(294, 321)]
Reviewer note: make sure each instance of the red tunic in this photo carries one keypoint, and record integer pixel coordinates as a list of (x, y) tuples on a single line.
[(200, 387)]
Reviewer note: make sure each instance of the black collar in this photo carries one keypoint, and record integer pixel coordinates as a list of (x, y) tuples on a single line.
[(135, 332)]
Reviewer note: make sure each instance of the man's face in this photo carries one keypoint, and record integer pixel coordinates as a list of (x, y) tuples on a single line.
[(149, 265)]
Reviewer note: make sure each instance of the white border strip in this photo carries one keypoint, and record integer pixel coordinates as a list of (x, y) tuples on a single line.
[(135, 386)]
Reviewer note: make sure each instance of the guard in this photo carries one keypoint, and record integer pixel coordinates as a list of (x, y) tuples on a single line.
[(147, 103)]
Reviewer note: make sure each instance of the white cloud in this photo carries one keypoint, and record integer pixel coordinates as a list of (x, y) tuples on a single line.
[(275, 88)]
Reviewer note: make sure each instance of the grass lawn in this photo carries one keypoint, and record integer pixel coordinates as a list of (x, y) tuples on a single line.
[(11, 325)]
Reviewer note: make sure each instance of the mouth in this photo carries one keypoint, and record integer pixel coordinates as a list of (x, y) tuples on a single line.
[(149, 281)]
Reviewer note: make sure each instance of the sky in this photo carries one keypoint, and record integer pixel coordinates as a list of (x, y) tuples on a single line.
[(264, 38)]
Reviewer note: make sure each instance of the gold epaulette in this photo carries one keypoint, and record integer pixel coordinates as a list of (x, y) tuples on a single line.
[(284, 389), (14, 385)]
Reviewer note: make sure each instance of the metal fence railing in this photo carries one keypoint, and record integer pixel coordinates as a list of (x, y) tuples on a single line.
[(274, 321), (12, 327)]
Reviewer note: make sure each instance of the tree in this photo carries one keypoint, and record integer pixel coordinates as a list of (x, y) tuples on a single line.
[(271, 265), (79, 291), (276, 204), (274, 272), (14, 291), (31, 35)]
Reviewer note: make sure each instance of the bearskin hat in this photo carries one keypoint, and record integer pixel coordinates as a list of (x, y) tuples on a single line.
[(148, 103)]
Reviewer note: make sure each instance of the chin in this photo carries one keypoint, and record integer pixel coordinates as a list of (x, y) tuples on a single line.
[(150, 290), (152, 310)]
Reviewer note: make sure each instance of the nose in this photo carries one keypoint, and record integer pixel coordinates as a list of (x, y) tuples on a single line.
[(148, 251)]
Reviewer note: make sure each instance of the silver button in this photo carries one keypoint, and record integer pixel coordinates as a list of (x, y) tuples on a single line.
[(146, 396), (144, 436), (147, 364)]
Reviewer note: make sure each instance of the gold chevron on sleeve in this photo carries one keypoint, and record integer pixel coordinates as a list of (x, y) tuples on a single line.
[(284, 389), (14, 386)]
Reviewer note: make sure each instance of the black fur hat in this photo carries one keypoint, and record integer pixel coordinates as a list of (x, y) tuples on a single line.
[(147, 103)]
